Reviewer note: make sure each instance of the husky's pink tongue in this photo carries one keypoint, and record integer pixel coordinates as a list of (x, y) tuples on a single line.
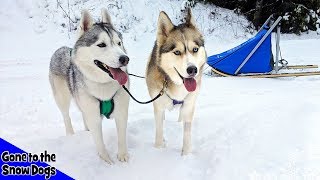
[(190, 84), (119, 75)]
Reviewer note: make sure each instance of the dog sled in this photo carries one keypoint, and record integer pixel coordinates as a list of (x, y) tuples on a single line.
[(254, 58)]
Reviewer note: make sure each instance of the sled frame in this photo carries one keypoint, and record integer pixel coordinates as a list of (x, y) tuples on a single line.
[(274, 25), (268, 75)]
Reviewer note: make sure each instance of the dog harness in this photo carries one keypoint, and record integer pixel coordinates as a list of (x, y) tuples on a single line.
[(106, 108), (174, 101)]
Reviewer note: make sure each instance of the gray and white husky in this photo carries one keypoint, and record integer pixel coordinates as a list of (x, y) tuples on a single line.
[(93, 71)]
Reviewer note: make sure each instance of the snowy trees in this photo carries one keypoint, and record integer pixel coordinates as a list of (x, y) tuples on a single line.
[(299, 15)]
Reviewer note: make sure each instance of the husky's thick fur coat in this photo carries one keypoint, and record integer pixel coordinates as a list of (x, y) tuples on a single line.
[(93, 71), (178, 57)]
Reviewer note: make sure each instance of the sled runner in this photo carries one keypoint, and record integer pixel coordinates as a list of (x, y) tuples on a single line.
[(254, 58)]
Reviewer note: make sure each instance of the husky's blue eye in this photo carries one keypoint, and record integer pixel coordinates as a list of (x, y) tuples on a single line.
[(195, 50), (102, 45), (178, 53)]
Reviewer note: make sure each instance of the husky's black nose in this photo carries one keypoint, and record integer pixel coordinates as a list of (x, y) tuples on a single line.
[(124, 60), (192, 70)]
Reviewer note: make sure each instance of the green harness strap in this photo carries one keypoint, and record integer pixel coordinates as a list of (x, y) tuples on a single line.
[(106, 108)]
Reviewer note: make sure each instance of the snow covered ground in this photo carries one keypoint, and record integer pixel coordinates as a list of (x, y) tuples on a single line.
[(243, 128)]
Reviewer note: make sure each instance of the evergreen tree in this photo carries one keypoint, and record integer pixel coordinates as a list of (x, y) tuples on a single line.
[(299, 15)]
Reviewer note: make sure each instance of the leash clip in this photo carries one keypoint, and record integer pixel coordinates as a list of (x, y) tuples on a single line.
[(165, 85), (164, 88)]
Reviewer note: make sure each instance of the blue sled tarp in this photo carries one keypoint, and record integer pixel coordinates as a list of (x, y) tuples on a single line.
[(260, 62)]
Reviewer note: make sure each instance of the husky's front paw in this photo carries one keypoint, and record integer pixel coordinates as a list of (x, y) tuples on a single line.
[(69, 132), (106, 158), (186, 150), (160, 144), (123, 157)]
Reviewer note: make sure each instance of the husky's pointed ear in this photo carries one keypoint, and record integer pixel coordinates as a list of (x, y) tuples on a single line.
[(164, 25), (105, 16), (189, 18), (86, 22)]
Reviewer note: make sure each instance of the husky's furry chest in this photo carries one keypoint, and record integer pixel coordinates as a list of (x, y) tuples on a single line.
[(176, 92), (102, 91)]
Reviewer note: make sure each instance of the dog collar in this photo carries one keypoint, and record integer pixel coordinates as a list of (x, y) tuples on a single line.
[(174, 101)]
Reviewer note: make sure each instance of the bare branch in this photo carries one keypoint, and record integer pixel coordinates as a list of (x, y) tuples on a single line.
[(64, 11)]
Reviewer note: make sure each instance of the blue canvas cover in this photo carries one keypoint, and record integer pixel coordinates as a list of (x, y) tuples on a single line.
[(229, 61)]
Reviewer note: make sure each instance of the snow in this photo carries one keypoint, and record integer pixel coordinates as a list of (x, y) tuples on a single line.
[(243, 128)]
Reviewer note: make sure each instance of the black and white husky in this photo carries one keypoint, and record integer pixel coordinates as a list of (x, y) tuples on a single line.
[(93, 71)]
